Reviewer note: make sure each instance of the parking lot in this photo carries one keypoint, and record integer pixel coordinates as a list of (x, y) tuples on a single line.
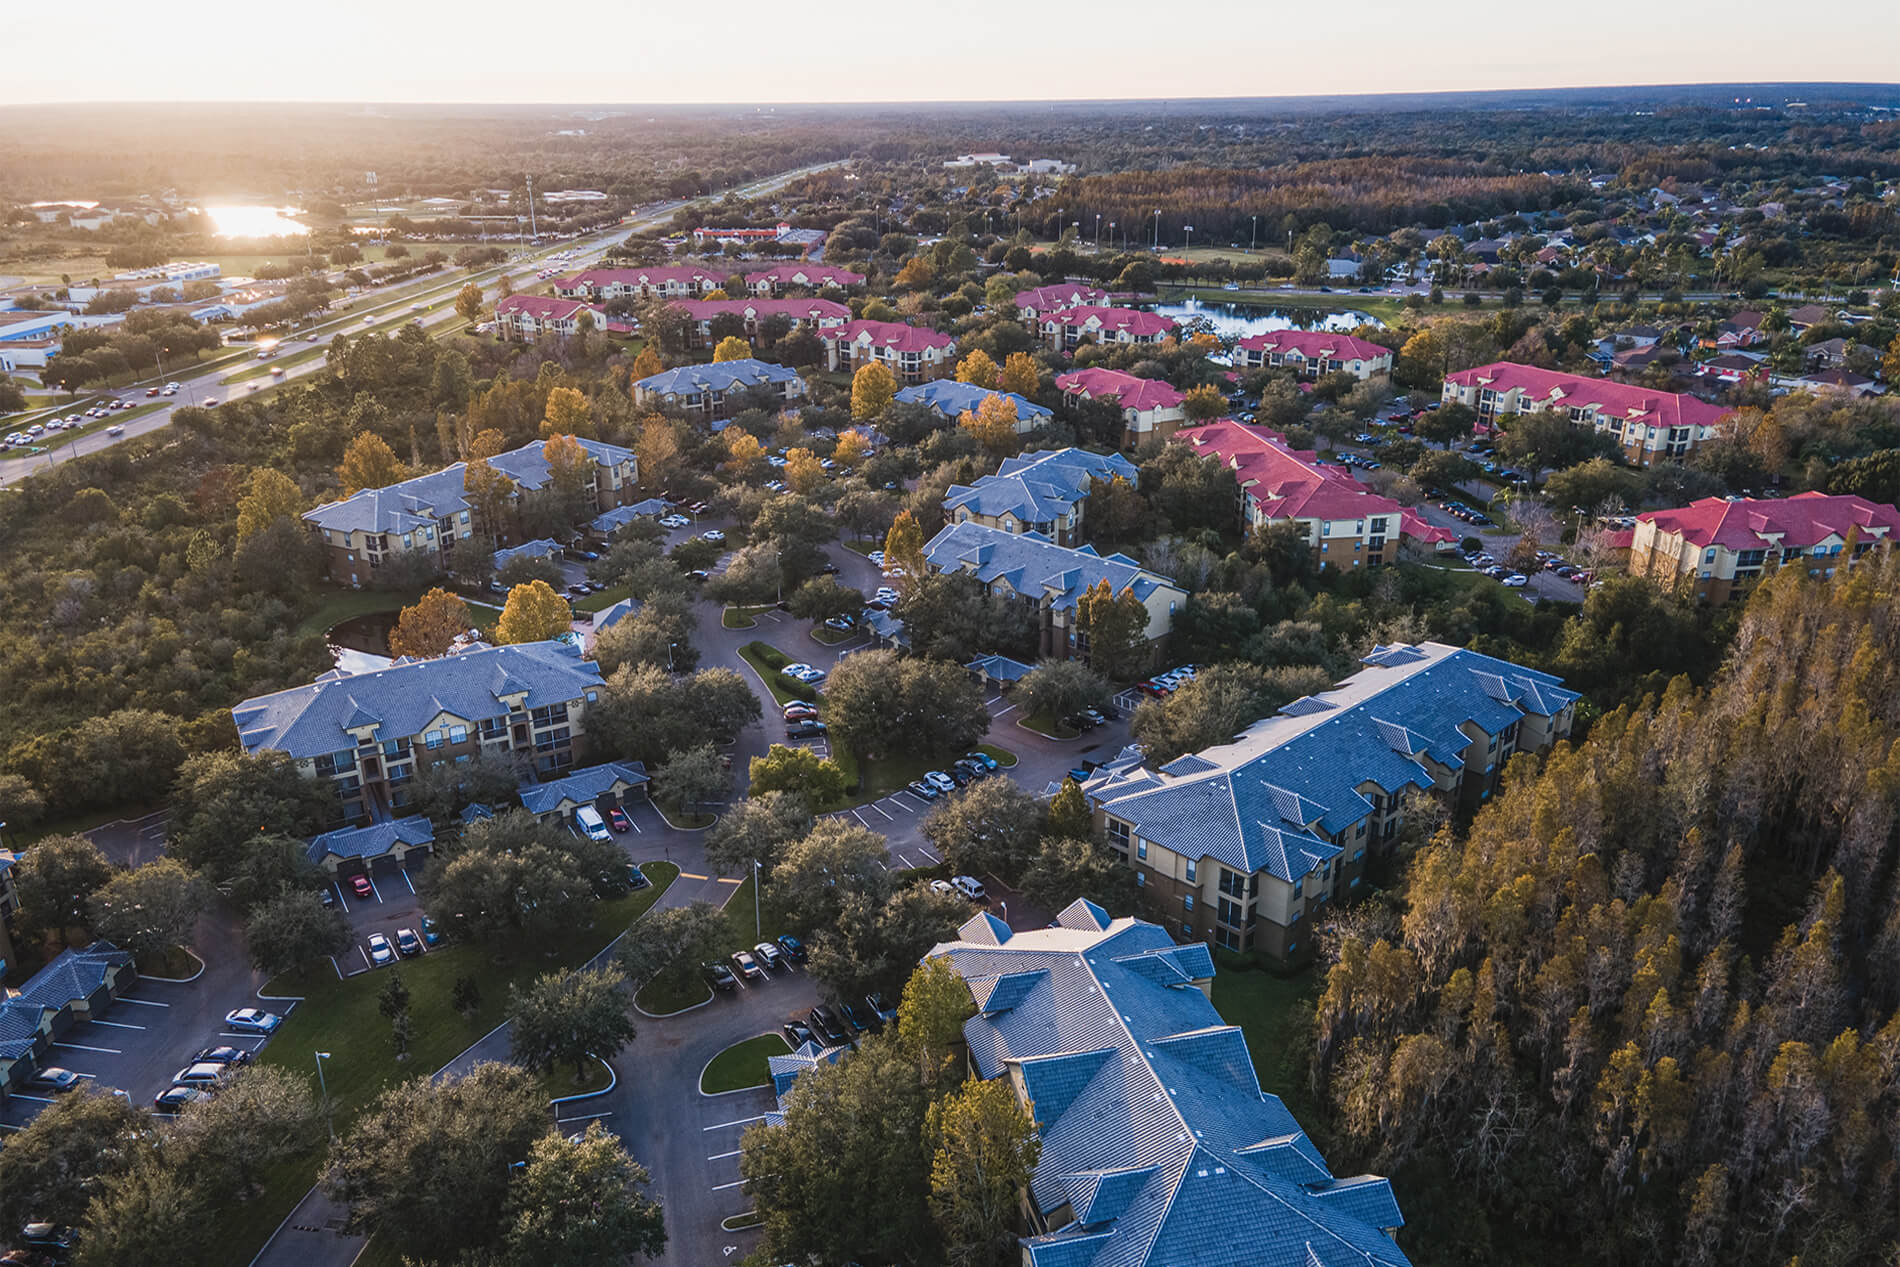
[(394, 902)]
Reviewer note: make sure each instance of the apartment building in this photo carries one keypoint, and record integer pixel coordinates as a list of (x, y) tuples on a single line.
[(678, 281), (1066, 329), (1040, 492), (1034, 305), (531, 316), (432, 514), (366, 733), (1311, 353), (1034, 570), (1245, 845), (948, 398), (914, 354), (1347, 524), (1149, 407), (1159, 1146), (718, 390), (785, 277), (808, 314), (1720, 549), (1649, 425)]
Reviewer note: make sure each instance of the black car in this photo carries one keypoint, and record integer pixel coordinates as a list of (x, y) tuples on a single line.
[(862, 1018), (878, 1007), (797, 1033), (826, 1024), (636, 878), (49, 1238), (794, 949), (830, 569), (805, 730), (719, 977), (222, 1056)]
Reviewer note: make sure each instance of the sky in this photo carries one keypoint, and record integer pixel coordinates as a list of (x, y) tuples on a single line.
[(632, 51)]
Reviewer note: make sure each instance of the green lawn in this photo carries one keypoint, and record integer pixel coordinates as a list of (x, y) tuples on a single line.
[(738, 617), (1002, 756), (1043, 724), (1275, 1013), (742, 1065), (768, 660), (341, 605), (681, 985), (341, 1017), (832, 637), (603, 600)]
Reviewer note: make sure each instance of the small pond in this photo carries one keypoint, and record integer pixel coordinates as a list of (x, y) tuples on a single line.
[(361, 643), (1239, 321)]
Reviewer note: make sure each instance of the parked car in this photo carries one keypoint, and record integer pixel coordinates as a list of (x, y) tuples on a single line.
[(970, 888), (1516, 581), (360, 885), (719, 977), (407, 943), (826, 1024), (769, 955), (1080, 721), (636, 878), (380, 951), (941, 781), (797, 1033), (842, 624), (618, 820), (879, 1007), (431, 935), (942, 887), (176, 1100), (50, 1237), (805, 730), (794, 949), (983, 759), (55, 1079), (713, 535), (251, 1020), (198, 1074), (674, 521), (222, 1056), (748, 966), (588, 819)]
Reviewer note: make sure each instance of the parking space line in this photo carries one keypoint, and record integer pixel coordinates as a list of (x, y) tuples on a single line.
[(721, 1187), (363, 951), (999, 712), (635, 824), (118, 1024), (342, 901), (586, 1117), (743, 1121), (40, 1099), (141, 1002), (109, 1051), (406, 880), (372, 887), (874, 805), (720, 1156)]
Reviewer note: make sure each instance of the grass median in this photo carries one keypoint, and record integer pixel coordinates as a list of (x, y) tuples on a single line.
[(742, 1065), (682, 985)]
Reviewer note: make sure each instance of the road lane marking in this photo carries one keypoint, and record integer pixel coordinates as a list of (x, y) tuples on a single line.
[(741, 1121), (690, 875)]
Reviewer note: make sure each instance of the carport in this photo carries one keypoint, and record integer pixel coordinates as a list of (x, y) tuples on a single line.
[(396, 840), (610, 785)]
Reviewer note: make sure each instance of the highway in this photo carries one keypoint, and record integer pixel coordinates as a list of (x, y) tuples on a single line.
[(391, 309)]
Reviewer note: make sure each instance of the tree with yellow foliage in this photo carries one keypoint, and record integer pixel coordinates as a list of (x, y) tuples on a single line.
[(487, 444), (992, 422), (534, 613), (717, 292), (802, 471), (269, 496), (1204, 402), (979, 369), (369, 462), (732, 348), (745, 454), (872, 388), (569, 413), (852, 449), (657, 452), (904, 543), (647, 364), (567, 464), (1021, 375), (917, 273), (487, 489), (427, 628)]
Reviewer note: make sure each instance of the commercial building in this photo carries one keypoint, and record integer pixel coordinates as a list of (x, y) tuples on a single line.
[(783, 277), (682, 281), (950, 399), (432, 513), (365, 733), (721, 388), (1032, 569), (1311, 353), (808, 314), (1160, 1148), (531, 316), (913, 353), (1346, 524), (1149, 407), (1719, 549), (1648, 425), (1066, 329), (1246, 844), (1037, 492)]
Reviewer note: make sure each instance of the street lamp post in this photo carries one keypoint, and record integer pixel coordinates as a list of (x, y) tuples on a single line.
[(324, 1087), (1157, 229), (1253, 242), (758, 921), (1188, 229), (1098, 230)]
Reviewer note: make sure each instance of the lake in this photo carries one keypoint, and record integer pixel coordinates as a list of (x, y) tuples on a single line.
[(254, 220), (1239, 321), (361, 643)]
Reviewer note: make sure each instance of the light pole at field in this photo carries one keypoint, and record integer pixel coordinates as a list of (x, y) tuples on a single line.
[(1098, 230), (324, 1087), (1157, 230), (1253, 242)]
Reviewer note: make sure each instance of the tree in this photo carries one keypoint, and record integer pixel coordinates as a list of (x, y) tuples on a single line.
[(566, 1018), (752, 575), (426, 1169), (745, 455), (1446, 424), (534, 613), (798, 772), (468, 302), (993, 423), (57, 878), (677, 937), (1117, 629), (568, 413), (1065, 869), (877, 939), (659, 634), (1069, 815), (646, 365), (834, 859), (991, 827), (226, 807), (693, 777), (803, 471), (152, 1211), (984, 1150), (369, 462), (428, 627), (824, 597), (872, 389), (1203, 403), (732, 348), (877, 703), (55, 1164), (260, 1116), (150, 910), (288, 931), (1220, 702), (1059, 689), (1021, 375), (756, 830), (904, 543), (578, 1204), (489, 491), (268, 497), (20, 802), (977, 368), (851, 449), (931, 1014), (917, 274)]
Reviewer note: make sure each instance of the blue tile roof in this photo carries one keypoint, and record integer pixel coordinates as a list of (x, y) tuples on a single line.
[(612, 614), (419, 502), (1000, 667), (951, 398), (372, 841), (1034, 566), (542, 548), (1038, 487), (620, 516), (402, 699), (1269, 800), (721, 376), (1158, 1146), (582, 787)]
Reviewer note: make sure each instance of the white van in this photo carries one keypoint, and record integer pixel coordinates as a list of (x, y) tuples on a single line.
[(969, 887), (590, 822)]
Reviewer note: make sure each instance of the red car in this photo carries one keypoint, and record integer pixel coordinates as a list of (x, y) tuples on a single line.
[(800, 712), (618, 820), (361, 885), (1153, 689)]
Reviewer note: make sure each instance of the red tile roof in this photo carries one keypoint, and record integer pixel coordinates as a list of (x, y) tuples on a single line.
[(1804, 520), (894, 335), (658, 276), (1287, 483), (797, 309), (1126, 390), (814, 274), (1048, 298), (543, 307), (1622, 401), (1127, 320), (1313, 344)]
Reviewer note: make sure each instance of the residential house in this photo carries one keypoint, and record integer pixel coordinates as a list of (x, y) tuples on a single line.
[(1346, 524), (783, 277), (1247, 844), (1149, 407), (706, 233), (603, 787), (1839, 383), (720, 389), (950, 399), (356, 849), (1040, 492), (914, 354), (431, 513), (1807, 316), (607, 523), (1741, 330), (1720, 549), (808, 314), (1066, 329), (1034, 305), (531, 316), (365, 733), (1648, 425), (1159, 1148), (1311, 353), (680, 281), (1837, 354), (75, 986), (541, 548), (1034, 570)]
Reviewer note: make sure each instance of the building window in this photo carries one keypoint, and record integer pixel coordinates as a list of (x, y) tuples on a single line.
[(433, 739), (1187, 901), (1118, 833), (458, 734), (1187, 931), (1141, 879), (1190, 870), (1141, 849)]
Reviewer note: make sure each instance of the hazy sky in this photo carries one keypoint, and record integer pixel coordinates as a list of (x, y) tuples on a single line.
[(750, 50)]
